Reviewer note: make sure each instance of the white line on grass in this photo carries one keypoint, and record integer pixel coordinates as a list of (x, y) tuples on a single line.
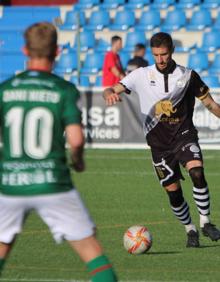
[(60, 280), (138, 146), (40, 280), (118, 172), (118, 156), (63, 280)]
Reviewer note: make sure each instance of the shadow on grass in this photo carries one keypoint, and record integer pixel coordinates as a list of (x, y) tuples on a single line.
[(161, 253), (209, 246), (174, 252)]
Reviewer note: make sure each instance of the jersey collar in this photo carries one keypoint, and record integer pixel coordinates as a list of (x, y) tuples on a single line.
[(169, 69)]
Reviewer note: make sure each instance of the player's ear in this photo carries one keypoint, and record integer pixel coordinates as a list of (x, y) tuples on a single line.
[(25, 51)]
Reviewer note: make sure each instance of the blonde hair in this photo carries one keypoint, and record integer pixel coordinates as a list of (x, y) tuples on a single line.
[(41, 40)]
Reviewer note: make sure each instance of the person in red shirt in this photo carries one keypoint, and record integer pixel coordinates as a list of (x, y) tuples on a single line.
[(112, 70)]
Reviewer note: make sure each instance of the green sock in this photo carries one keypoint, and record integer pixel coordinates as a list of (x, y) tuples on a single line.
[(101, 270), (2, 262)]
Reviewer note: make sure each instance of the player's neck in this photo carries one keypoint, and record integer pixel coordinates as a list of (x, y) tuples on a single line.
[(40, 65), (115, 50)]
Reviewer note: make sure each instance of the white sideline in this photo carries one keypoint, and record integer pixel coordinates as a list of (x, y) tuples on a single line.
[(138, 173), (140, 146), (135, 146), (40, 280), (63, 280)]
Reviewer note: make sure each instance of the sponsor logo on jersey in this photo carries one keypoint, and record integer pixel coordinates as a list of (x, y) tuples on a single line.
[(152, 79), (170, 120), (33, 73), (163, 171), (202, 89), (32, 81), (180, 83), (15, 82), (164, 107), (185, 131), (152, 83), (194, 149)]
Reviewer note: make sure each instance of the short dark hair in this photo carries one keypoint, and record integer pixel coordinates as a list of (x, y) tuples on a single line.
[(161, 39), (115, 38), (139, 46)]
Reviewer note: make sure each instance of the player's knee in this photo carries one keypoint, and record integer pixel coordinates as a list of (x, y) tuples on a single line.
[(176, 197), (198, 177)]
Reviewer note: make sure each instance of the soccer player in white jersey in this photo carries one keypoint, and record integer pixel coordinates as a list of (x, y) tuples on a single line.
[(36, 107), (167, 93)]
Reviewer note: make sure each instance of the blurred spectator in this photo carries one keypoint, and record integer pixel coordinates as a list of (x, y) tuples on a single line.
[(138, 60), (112, 68)]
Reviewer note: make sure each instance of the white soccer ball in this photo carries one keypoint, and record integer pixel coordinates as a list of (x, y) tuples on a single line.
[(137, 239)]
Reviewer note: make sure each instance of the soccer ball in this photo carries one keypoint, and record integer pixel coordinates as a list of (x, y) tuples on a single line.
[(137, 240)]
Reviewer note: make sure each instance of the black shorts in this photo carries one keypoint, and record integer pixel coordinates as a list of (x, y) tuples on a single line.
[(167, 163)]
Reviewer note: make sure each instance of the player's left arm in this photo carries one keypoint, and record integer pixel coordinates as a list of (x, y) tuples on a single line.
[(75, 139), (73, 126), (211, 105)]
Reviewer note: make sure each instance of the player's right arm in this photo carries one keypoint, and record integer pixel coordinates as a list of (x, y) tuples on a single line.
[(75, 139), (112, 94), (126, 85)]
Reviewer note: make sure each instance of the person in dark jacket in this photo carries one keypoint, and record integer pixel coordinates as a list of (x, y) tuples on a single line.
[(138, 60)]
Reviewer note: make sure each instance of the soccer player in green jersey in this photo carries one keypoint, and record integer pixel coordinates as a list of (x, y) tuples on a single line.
[(36, 107)]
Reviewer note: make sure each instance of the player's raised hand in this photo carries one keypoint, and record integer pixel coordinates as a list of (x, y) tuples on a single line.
[(111, 97)]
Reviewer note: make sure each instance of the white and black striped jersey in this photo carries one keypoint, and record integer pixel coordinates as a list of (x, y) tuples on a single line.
[(166, 101)]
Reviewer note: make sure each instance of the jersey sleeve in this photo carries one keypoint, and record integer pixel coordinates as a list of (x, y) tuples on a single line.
[(201, 90), (130, 80), (71, 111)]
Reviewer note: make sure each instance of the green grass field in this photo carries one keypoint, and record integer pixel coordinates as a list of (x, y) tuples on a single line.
[(120, 190)]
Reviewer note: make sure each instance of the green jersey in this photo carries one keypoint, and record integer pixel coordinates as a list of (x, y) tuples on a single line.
[(35, 108)]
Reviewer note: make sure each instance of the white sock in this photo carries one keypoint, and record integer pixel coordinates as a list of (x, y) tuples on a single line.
[(203, 220), (190, 227)]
